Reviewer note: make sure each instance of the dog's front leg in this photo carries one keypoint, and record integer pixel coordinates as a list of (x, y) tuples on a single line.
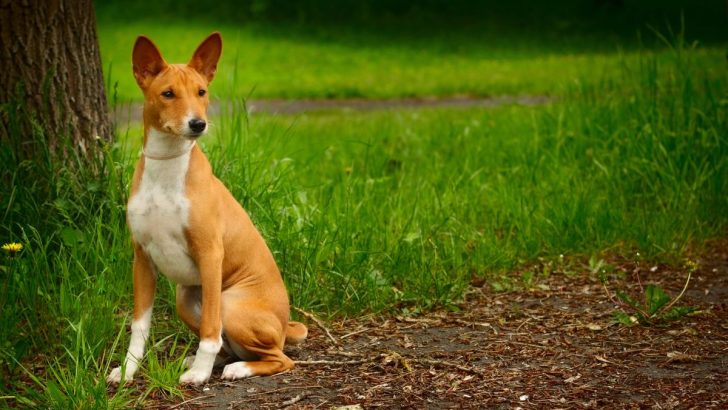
[(210, 266), (144, 287)]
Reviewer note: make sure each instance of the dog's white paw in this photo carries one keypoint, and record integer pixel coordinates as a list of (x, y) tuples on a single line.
[(237, 370), (115, 376), (195, 376), (187, 363), (190, 360)]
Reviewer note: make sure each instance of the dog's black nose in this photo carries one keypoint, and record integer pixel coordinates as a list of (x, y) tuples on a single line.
[(197, 125)]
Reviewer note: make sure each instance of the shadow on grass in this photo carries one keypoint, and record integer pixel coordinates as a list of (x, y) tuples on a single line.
[(561, 25)]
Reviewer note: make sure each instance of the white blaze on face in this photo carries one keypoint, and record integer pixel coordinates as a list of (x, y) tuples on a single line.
[(187, 130), (186, 123)]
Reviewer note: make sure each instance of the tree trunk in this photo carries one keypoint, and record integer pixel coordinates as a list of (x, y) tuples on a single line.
[(49, 58)]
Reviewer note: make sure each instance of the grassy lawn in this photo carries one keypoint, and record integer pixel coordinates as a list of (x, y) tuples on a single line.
[(385, 211), (275, 66), (490, 55)]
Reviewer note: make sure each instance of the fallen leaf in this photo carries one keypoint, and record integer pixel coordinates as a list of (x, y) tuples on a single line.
[(593, 326), (602, 359), (680, 357), (572, 379)]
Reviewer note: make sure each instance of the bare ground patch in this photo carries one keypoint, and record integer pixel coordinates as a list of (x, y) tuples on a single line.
[(553, 346), (125, 113)]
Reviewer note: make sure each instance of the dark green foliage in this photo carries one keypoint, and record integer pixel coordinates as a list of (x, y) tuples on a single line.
[(655, 309), (67, 208), (655, 299), (562, 18)]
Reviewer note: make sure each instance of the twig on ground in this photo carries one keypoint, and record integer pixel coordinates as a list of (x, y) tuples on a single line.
[(336, 362), (404, 360), (622, 305), (319, 323), (342, 353), (191, 400), (636, 274), (521, 325), (293, 400), (473, 324), (466, 322), (342, 362), (315, 386), (672, 302), (446, 364), (354, 333)]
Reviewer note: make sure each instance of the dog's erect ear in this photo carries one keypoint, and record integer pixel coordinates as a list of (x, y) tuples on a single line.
[(147, 61), (206, 56)]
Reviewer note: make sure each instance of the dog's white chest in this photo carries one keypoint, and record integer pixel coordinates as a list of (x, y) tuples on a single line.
[(158, 214)]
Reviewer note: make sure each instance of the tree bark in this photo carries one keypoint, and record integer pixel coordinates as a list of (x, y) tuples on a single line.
[(49, 58)]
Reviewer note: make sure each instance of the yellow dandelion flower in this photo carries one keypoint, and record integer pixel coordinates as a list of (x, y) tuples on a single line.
[(12, 248), (691, 265)]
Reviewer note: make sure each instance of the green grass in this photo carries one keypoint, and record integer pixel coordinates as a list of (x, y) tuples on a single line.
[(533, 51), (366, 212), (266, 67), (383, 209)]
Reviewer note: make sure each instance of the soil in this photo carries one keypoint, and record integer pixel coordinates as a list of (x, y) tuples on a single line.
[(360, 104), (553, 345), (123, 114)]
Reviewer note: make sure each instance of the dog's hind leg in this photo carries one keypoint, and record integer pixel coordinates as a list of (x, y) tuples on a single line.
[(255, 331)]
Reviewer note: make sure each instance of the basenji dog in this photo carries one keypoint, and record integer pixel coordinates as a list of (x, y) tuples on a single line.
[(187, 225)]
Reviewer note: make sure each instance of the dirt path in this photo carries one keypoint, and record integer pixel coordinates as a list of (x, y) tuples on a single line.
[(123, 114), (554, 346)]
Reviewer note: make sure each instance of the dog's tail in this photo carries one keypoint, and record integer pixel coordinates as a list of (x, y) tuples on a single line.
[(296, 333)]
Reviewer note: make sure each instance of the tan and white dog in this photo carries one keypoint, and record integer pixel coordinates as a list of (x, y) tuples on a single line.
[(187, 225)]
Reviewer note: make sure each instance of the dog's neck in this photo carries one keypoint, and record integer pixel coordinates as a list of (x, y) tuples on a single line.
[(159, 145)]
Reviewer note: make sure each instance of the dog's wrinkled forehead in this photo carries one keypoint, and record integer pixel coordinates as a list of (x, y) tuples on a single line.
[(179, 77)]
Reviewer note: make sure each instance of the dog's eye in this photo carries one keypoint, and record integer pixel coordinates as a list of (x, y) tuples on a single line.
[(201, 93), (168, 94)]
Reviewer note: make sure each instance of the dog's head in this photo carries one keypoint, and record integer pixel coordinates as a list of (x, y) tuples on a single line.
[(175, 95)]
